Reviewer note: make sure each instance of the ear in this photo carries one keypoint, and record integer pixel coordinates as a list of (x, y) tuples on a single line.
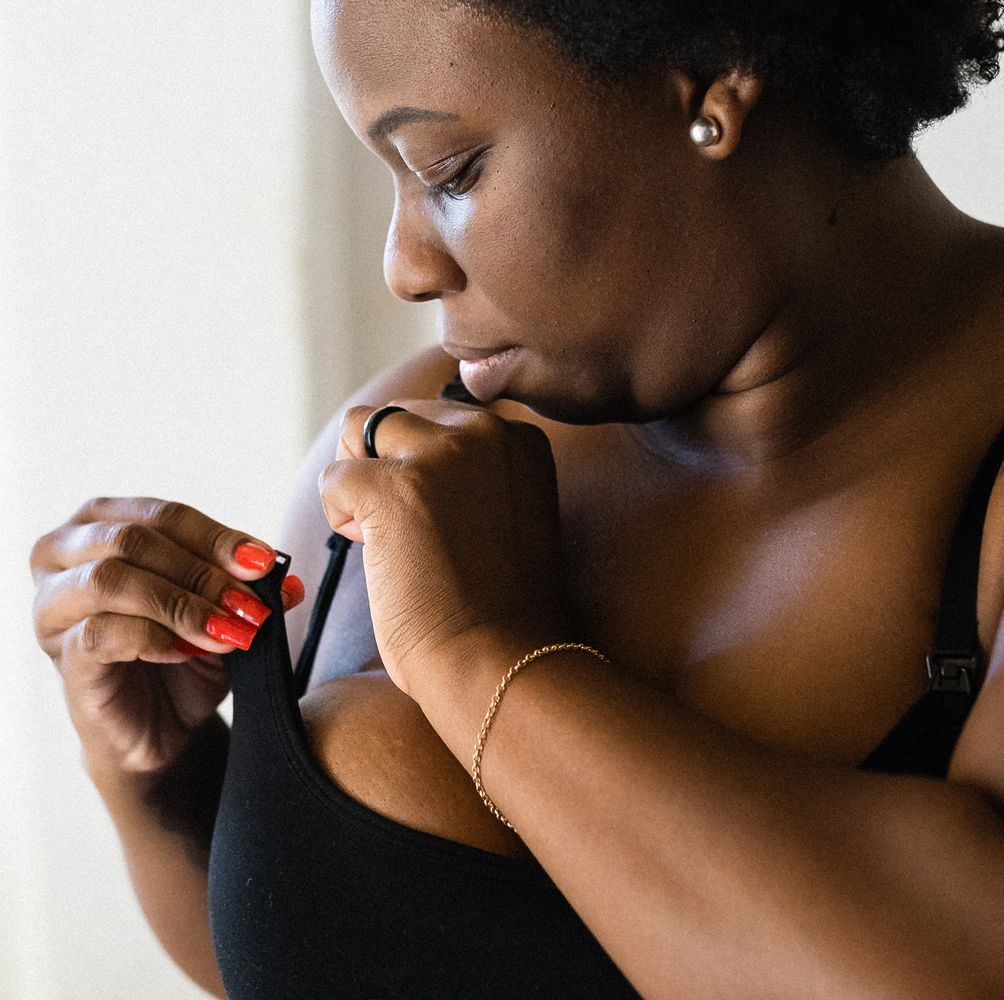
[(729, 100)]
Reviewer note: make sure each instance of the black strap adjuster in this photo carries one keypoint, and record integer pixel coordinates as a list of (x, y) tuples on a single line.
[(951, 672)]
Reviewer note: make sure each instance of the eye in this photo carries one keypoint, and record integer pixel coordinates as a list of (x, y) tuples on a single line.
[(461, 182)]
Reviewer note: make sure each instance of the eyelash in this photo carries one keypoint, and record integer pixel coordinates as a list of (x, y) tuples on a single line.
[(443, 188)]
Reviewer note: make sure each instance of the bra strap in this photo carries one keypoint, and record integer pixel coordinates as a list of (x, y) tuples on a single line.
[(924, 739), (953, 662), (339, 546)]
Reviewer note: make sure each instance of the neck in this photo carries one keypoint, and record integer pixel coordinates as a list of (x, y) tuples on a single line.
[(882, 296)]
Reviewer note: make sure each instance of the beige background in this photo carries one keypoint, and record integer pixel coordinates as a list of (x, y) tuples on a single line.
[(191, 244)]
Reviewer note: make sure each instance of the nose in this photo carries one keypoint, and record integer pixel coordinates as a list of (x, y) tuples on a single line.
[(416, 265)]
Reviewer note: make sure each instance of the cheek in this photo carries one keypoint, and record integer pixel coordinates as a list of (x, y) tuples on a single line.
[(553, 256)]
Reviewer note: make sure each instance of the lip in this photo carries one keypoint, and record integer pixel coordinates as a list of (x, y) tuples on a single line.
[(473, 353), (487, 378)]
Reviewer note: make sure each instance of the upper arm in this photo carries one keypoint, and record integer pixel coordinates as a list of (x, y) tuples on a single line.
[(978, 759), (305, 529)]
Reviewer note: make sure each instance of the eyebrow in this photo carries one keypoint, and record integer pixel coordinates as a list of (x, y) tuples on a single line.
[(392, 120)]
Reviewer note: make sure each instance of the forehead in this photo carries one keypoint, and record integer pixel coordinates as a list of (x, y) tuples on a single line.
[(375, 54)]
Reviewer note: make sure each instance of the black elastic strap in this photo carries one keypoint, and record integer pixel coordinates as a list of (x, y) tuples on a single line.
[(924, 739), (955, 651), (339, 546)]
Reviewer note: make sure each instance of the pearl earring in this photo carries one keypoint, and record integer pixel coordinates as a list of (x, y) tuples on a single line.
[(705, 131)]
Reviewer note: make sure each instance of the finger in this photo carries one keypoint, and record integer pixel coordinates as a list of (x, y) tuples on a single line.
[(139, 545), (351, 492), (243, 555), (397, 434), (106, 638), (191, 651), (292, 592), (444, 411), (188, 699), (437, 414), (110, 585)]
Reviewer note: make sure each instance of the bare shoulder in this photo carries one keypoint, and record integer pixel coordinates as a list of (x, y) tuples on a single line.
[(977, 759), (305, 529)]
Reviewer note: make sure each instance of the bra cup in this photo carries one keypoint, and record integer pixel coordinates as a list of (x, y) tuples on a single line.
[(314, 895)]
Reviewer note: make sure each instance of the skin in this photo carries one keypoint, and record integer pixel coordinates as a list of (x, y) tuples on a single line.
[(763, 375), (782, 492), (808, 394)]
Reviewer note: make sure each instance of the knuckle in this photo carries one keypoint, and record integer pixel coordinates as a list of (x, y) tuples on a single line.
[(38, 609), (167, 514), (220, 542), (409, 483), (128, 539), (452, 444), (329, 474), (105, 577), (199, 578), (354, 413), (93, 632), (89, 508), (353, 416), (36, 557), (179, 609), (485, 423)]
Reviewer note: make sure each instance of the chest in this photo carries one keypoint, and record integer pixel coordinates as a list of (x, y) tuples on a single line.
[(802, 622)]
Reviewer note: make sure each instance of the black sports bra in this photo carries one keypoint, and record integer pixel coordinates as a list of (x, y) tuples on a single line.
[(314, 895)]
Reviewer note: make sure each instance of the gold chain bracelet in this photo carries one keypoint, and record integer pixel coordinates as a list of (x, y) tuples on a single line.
[(476, 769)]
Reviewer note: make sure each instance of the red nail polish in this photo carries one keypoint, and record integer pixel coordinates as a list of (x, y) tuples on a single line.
[(252, 556), (293, 589), (244, 606), (231, 631), (188, 648)]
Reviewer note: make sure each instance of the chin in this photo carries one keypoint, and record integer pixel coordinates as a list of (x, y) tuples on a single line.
[(576, 390), (566, 409)]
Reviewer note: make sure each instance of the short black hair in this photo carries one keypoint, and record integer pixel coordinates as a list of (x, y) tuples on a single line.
[(871, 72)]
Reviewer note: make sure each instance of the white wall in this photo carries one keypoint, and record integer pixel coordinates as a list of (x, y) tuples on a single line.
[(152, 345), (965, 153), (191, 248), (191, 244)]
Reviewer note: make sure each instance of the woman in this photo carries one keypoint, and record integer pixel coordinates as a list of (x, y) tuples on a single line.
[(758, 368)]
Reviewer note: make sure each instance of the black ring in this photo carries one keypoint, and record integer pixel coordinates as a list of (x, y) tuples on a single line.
[(370, 426)]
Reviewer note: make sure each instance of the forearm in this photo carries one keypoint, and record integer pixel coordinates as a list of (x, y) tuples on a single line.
[(708, 865), (165, 825)]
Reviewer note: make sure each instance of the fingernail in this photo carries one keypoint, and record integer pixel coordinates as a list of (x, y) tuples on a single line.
[(188, 648), (244, 606), (252, 556), (292, 591), (231, 631)]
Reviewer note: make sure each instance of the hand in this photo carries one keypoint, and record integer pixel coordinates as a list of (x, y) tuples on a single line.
[(136, 600), (460, 530)]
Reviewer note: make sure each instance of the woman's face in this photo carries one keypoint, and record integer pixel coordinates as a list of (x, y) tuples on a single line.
[(586, 229)]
